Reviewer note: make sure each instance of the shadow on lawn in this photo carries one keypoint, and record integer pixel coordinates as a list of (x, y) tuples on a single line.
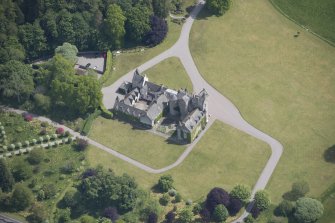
[(329, 154)]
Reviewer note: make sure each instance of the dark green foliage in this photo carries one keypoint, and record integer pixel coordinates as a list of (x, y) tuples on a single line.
[(36, 156), (220, 213), (71, 198), (235, 206), (177, 198), (22, 197), (197, 208), (42, 102), (21, 170), (153, 218), (285, 208), (170, 216), (111, 213), (38, 214), (165, 183), (164, 200), (87, 219), (89, 121), (16, 80), (218, 7), (49, 190), (105, 189), (262, 200), (185, 216), (115, 21), (241, 192), (137, 24), (63, 215), (308, 210), (249, 219), (6, 177), (158, 32), (161, 8), (299, 189)]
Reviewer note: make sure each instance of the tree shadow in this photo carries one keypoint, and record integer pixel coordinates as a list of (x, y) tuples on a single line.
[(329, 154), (204, 14), (290, 196)]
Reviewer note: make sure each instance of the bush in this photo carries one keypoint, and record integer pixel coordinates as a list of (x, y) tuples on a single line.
[(215, 197), (177, 198), (255, 212), (44, 124), (54, 136), (241, 192), (28, 117), (67, 133), (26, 143), (189, 202), (285, 208), (33, 141), (22, 197), (63, 215), (71, 198), (87, 219), (42, 102), (11, 147), (165, 183), (249, 219), (152, 218), (21, 171), (47, 138), (164, 200), (299, 189), (262, 200), (172, 192), (205, 215), (38, 214), (49, 190), (111, 213), (196, 209), (68, 168), (308, 210), (220, 213), (19, 145), (36, 156), (170, 216), (82, 144), (235, 206), (60, 131), (89, 121), (185, 216)]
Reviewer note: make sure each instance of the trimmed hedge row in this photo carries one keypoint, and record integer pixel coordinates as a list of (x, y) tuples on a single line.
[(105, 112), (89, 121), (108, 70)]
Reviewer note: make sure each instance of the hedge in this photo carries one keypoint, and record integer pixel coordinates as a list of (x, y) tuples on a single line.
[(105, 112), (88, 124), (108, 70)]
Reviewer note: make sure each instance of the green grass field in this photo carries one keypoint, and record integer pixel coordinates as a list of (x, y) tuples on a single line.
[(281, 84), (145, 147), (125, 62), (223, 157), (170, 73), (318, 16)]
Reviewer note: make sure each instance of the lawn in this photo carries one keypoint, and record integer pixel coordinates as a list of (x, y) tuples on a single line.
[(281, 84), (318, 16), (145, 147), (129, 60), (170, 73), (223, 157)]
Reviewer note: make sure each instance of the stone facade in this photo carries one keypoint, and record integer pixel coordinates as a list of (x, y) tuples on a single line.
[(146, 102)]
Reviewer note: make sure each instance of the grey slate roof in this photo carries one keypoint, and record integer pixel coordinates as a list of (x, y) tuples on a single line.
[(192, 120)]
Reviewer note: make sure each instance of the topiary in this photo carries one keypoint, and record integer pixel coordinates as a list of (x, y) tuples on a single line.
[(189, 202), (177, 198), (172, 192)]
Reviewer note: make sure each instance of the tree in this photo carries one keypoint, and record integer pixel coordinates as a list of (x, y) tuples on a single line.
[(111, 213), (235, 206), (308, 210), (87, 219), (16, 80), (21, 170), (82, 144), (22, 197), (165, 183), (157, 34), (215, 197), (249, 219), (185, 216), (33, 40), (152, 218), (165, 199), (115, 22), (205, 215), (220, 213), (241, 192), (82, 31), (218, 7), (36, 156), (262, 200), (71, 198), (65, 27), (63, 215), (138, 23), (42, 102), (68, 51), (161, 8), (300, 189), (285, 208), (6, 177), (38, 214), (170, 216), (49, 190)]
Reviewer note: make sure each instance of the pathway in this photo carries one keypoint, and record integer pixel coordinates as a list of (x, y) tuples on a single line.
[(220, 107)]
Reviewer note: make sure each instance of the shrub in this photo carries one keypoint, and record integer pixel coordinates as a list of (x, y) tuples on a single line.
[(67, 133), (87, 219), (36, 156), (196, 209), (40, 139), (5, 148), (68, 168), (249, 219), (44, 124), (89, 121), (111, 213), (185, 216), (285, 208), (308, 210), (54, 136), (69, 140), (299, 189), (49, 190), (205, 215), (164, 200), (38, 214), (60, 131), (152, 218), (47, 138), (215, 197), (170, 216), (11, 147), (177, 198), (235, 206), (255, 212), (63, 215), (33, 141), (82, 144), (70, 198), (42, 102), (189, 202), (21, 170), (165, 183), (19, 145), (262, 200), (22, 197), (40, 195), (26, 143), (241, 192), (43, 132), (172, 192), (220, 213), (28, 117)]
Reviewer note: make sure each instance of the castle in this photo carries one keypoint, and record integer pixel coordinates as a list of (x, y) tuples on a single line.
[(147, 103)]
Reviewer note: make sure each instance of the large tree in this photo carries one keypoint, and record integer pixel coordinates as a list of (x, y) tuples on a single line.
[(157, 34), (6, 177), (262, 200), (16, 80), (115, 22), (68, 51), (161, 8), (22, 197), (308, 210), (218, 7), (165, 183), (138, 23), (241, 192), (215, 197), (220, 213)]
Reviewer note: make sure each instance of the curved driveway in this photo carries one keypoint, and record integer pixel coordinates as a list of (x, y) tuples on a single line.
[(220, 107)]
